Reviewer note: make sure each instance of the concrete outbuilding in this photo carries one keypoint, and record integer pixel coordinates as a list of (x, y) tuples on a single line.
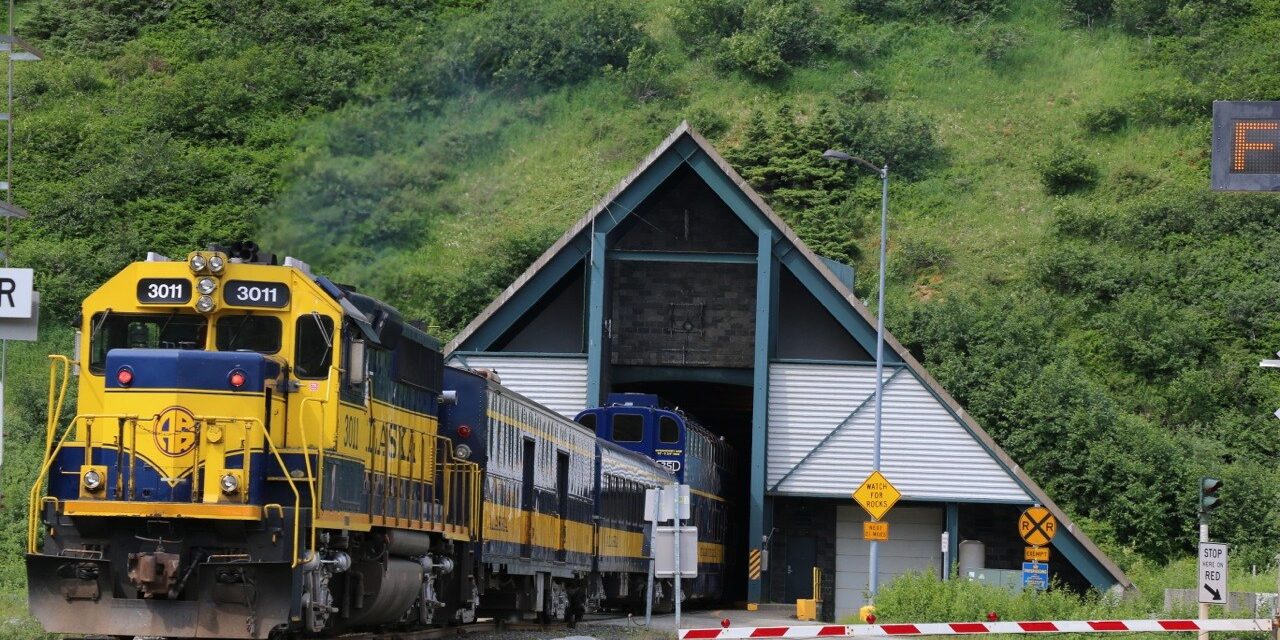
[(683, 282)]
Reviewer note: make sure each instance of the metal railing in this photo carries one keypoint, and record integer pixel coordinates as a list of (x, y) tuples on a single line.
[(126, 480)]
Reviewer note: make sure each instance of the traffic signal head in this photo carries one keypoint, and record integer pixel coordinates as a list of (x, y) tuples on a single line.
[(1209, 499)]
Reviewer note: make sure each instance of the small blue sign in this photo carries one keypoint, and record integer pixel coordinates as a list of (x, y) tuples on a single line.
[(1035, 575)]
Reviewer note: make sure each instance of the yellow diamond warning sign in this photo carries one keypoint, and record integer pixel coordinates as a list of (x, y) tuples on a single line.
[(876, 495)]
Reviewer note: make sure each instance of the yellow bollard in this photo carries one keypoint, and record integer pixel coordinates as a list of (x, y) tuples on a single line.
[(867, 614)]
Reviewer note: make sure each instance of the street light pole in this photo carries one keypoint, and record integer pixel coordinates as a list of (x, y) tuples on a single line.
[(873, 579)]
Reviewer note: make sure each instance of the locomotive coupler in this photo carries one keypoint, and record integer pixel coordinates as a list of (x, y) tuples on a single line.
[(155, 574)]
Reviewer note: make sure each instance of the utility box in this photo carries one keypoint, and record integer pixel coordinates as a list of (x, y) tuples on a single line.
[(807, 610)]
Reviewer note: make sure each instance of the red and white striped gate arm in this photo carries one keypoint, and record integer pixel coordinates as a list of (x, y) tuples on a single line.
[(973, 628)]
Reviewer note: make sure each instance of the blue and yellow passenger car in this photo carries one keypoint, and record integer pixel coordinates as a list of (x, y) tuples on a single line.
[(696, 457)]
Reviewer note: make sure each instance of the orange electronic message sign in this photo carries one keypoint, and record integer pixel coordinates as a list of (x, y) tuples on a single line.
[(1246, 146)]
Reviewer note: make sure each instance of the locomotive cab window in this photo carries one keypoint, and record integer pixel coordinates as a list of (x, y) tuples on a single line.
[(313, 353), (142, 331), (668, 430), (588, 420), (628, 427), (248, 332)]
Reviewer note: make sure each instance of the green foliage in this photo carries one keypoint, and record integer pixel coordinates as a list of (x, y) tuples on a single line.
[(648, 74), (92, 27), (916, 255), (763, 38), (1066, 169), (826, 201), (995, 42), (949, 9), (522, 46), (921, 597), (1104, 119)]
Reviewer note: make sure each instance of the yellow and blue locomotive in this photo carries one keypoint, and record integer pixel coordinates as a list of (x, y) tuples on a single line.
[(254, 451), (258, 452)]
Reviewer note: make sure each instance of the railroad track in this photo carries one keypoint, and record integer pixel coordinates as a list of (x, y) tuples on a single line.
[(462, 631)]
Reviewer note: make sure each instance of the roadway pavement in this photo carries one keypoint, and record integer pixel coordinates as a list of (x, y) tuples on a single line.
[(768, 615)]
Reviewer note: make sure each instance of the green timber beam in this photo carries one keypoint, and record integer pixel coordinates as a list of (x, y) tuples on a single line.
[(546, 277), (862, 331), (683, 256), (766, 297), (1083, 561), (596, 346)]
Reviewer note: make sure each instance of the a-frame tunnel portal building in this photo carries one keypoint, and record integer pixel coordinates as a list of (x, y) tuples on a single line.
[(684, 283)]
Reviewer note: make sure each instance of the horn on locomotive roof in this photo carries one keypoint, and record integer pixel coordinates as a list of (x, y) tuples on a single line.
[(246, 251)]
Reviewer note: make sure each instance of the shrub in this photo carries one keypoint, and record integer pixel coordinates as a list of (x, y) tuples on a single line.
[(994, 42), (1067, 169), (648, 74), (1104, 119), (1085, 12), (916, 255), (863, 87), (762, 38), (827, 202), (92, 26), (950, 9), (709, 122), (521, 45)]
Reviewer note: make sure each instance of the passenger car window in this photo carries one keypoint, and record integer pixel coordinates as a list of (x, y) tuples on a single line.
[(628, 427)]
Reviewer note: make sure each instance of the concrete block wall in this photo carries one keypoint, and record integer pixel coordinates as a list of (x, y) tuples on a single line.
[(699, 315), (809, 519)]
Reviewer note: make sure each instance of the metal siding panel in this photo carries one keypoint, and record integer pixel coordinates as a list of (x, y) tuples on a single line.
[(925, 451), (558, 383)]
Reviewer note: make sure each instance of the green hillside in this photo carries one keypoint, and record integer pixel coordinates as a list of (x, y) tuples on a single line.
[(1056, 258)]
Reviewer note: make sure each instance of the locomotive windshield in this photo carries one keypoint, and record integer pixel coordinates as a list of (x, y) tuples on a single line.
[(174, 330), (247, 332)]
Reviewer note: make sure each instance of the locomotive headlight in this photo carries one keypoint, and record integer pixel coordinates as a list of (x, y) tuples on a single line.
[(92, 480), (204, 304), (462, 452), (198, 263), (230, 483), (216, 264), (206, 285)]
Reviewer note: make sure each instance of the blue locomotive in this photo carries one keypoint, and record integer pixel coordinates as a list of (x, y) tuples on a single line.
[(697, 457)]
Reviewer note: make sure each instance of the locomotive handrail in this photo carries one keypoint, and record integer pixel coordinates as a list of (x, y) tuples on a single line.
[(312, 478), (55, 410), (297, 497), (33, 501)]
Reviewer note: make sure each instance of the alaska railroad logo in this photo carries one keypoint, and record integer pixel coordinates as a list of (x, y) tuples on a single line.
[(175, 432)]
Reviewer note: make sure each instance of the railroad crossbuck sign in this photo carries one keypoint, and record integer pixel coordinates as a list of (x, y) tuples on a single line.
[(877, 495), (1213, 573), (1037, 526)]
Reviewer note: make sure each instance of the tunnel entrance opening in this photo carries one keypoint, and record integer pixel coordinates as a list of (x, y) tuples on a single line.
[(725, 410)]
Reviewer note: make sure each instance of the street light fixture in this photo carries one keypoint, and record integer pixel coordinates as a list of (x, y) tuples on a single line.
[(833, 154)]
